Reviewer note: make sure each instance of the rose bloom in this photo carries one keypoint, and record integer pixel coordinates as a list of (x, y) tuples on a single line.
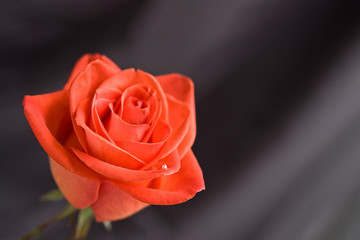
[(118, 140)]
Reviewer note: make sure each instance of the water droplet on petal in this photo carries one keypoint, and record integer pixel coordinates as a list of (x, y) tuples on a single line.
[(159, 166)]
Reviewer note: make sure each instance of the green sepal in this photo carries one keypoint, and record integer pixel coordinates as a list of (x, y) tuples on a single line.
[(85, 219), (53, 195)]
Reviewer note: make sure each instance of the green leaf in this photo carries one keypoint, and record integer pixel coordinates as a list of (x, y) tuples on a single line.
[(53, 195), (85, 219), (108, 226)]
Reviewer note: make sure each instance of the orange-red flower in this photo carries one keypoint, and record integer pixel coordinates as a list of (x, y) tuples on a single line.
[(118, 140)]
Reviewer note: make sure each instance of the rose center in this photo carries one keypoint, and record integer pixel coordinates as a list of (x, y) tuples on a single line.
[(135, 110), (138, 103)]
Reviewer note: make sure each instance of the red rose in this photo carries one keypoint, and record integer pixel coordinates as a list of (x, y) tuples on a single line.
[(118, 140)]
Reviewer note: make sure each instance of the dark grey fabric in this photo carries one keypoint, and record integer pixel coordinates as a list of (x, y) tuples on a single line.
[(278, 110)]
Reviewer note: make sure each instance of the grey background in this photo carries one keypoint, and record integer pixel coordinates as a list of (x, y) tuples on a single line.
[(278, 110)]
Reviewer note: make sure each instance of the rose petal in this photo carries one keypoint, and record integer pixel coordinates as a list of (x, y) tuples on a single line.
[(48, 116), (79, 191), (153, 118), (178, 86), (114, 204), (121, 80), (181, 88), (172, 189), (81, 64), (179, 121), (133, 112), (72, 141), (126, 78), (110, 91), (85, 85), (98, 111), (151, 82), (167, 166), (119, 130), (99, 147), (148, 151)]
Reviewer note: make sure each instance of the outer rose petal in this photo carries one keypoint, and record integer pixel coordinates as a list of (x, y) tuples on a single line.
[(48, 116), (172, 189), (79, 191), (114, 204), (124, 174), (178, 86), (181, 88), (81, 64)]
